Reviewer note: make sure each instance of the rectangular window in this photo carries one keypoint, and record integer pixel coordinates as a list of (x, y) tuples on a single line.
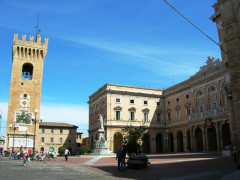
[(69, 141), (158, 103), (188, 112), (131, 101), (214, 104), (60, 140), (177, 99), (168, 103), (79, 136), (42, 139), (43, 131), (145, 102), (169, 116), (178, 114), (117, 115), (61, 131), (187, 96), (117, 100), (132, 116), (51, 140), (159, 117), (145, 116), (52, 131)]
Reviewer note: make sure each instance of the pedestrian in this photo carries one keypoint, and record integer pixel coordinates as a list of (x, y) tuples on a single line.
[(123, 156), (235, 153), (25, 156), (118, 157), (66, 154)]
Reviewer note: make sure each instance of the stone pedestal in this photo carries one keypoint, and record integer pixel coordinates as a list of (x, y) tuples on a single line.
[(100, 146)]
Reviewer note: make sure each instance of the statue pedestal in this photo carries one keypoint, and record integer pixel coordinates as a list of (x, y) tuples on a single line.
[(100, 146)]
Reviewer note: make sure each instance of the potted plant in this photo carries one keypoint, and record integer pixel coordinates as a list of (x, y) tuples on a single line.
[(137, 161)]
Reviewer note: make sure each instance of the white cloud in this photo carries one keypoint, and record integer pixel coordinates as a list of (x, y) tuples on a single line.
[(4, 109), (147, 56), (65, 113), (3, 112)]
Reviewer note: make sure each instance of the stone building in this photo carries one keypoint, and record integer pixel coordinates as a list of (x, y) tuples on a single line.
[(25, 91), (227, 18), (52, 136), (189, 116)]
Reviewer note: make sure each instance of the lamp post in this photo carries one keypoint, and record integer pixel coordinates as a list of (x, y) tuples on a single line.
[(14, 129), (27, 134), (34, 120)]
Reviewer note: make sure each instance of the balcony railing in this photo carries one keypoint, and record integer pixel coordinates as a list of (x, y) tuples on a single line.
[(210, 113)]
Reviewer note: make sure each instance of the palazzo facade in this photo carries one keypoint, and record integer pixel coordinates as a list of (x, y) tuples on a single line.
[(190, 116)]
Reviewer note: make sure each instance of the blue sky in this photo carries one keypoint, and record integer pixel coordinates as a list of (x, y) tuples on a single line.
[(130, 42)]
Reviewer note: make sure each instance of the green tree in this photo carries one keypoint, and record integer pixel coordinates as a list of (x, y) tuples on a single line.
[(132, 141), (61, 150), (84, 149)]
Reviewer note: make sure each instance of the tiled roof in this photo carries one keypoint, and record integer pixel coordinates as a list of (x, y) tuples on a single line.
[(56, 124)]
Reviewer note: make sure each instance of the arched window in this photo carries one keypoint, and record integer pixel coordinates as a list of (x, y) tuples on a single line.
[(27, 71)]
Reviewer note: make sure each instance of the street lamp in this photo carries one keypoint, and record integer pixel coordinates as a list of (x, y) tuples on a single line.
[(27, 134), (14, 129), (34, 120)]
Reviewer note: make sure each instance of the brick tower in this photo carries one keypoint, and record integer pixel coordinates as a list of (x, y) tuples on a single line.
[(25, 92)]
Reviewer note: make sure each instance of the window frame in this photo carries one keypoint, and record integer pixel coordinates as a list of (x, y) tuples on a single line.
[(134, 117), (146, 117), (117, 115)]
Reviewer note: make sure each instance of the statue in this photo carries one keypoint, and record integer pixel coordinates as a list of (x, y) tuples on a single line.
[(100, 118)]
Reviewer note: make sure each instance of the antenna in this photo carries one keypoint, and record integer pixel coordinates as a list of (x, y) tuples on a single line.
[(37, 30)]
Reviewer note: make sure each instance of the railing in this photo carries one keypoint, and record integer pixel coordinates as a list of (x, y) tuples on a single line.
[(210, 113)]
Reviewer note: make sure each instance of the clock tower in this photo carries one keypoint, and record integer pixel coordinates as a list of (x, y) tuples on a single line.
[(25, 92)]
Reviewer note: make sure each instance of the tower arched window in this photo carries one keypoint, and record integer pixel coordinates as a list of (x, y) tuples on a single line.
[(27, 71)]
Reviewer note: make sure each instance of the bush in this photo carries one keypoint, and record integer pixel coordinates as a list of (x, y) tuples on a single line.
[(61, 151), (84, 149)]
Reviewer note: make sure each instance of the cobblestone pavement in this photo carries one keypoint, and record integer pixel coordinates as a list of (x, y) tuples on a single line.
[(163, 166)]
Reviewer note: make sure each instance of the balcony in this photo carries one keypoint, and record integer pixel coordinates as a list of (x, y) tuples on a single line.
[(208, 114)]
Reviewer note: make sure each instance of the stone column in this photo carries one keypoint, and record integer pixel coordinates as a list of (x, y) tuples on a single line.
[(218, 136), (165, 142), (175, 142), (192, 137), (204, 136)]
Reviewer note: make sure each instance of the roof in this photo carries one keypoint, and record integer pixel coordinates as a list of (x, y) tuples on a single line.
[(56, 124)]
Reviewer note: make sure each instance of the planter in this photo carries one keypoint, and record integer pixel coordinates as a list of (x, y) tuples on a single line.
[(137, 164)]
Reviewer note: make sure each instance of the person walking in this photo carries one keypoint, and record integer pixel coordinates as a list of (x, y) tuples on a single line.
[(66, 154), (123, 156), (118, 157), (25, 156)]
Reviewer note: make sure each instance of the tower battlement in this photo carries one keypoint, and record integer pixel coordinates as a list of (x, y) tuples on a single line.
[(29, 50), (31, 39)]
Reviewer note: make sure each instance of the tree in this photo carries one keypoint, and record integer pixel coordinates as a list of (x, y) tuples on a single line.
[(61, 150), (84, 149), (132, 141)]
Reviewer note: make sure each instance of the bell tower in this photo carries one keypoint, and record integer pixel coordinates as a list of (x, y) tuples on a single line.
[(25, 92)]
